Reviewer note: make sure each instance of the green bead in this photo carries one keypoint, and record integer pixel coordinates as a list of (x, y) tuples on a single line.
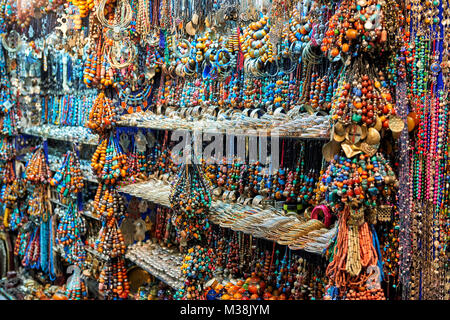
[(356, 117)]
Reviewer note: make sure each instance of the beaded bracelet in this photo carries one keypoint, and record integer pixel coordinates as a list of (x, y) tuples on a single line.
[(326, 213)]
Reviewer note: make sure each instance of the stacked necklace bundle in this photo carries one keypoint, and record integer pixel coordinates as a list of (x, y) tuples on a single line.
[(369, 95), (113, 280), (68, 180), (108, 203), (197, 267), (7, 150), (102, 115), (69, 233), (371, 29), (136, 162), (39, 202), (109, 162), (76, 287), (38, 173), (352, 181), (37, 170), (8, 174), (110, 240), (190, 199), (8, 123)]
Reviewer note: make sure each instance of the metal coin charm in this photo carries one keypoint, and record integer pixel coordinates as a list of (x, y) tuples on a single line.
[(396, 124), (373, 136)]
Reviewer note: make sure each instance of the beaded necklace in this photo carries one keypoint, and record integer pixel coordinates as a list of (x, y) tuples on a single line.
[(37, 170), (102, 114), (76, 288), (113, 280), (190, 199), (110, 240), (68, 234), (31, 254), (108, 203), (68, 180), (109, 162), (196, 273)]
